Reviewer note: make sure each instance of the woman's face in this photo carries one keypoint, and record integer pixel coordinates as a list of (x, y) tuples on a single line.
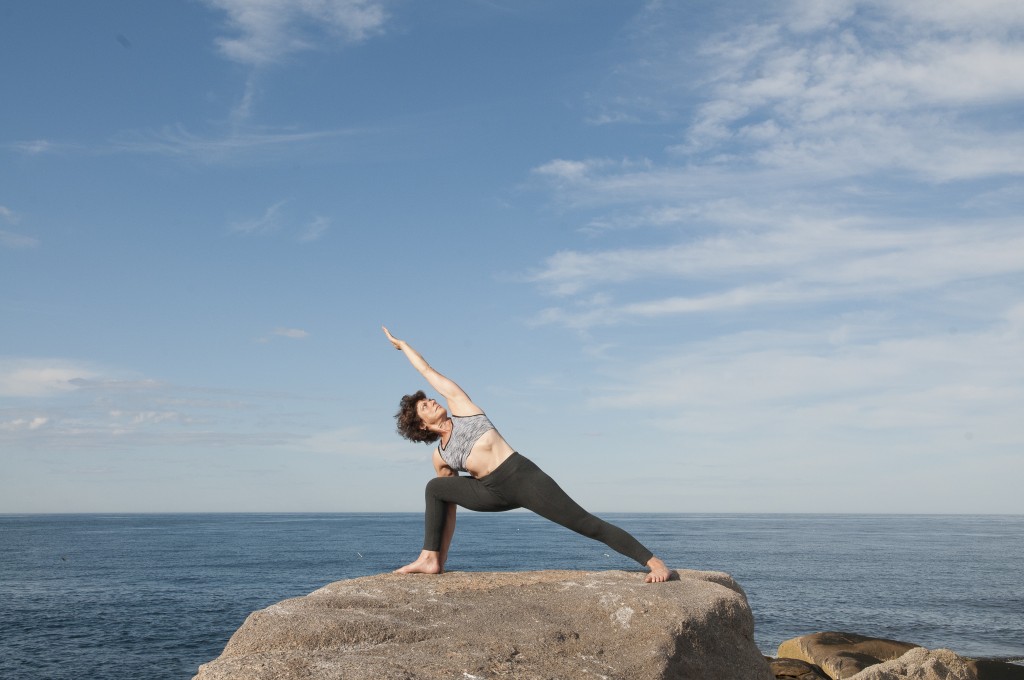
[(430, 412)]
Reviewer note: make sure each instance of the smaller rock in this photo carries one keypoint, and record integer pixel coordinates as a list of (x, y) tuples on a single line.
[(922, 664), (842, 655), (998, 670), (795, 669)]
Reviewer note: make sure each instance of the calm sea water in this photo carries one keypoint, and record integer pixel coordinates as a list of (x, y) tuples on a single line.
[(153, 596)]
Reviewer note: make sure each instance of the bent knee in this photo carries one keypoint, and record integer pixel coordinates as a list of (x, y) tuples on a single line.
[(441, 487), (434, 485)]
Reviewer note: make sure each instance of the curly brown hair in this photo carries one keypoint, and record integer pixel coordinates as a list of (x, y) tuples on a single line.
[(408, 422)]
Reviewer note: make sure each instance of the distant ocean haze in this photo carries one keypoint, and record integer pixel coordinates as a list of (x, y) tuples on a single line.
[(154, 596)]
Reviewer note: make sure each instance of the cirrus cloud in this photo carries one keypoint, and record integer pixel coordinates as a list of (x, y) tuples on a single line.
[(267, 31)]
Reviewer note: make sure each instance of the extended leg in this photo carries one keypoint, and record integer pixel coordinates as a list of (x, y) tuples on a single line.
[(543, 496), (532, 488)]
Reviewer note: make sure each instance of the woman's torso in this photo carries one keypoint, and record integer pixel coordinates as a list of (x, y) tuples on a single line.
[(487, 448)]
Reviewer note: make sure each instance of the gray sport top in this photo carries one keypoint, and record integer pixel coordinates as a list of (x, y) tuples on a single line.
[(466, 430)]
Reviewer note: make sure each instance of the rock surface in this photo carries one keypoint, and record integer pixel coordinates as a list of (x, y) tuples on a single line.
[(848, 656), (922, 664), (842, 655), (795, 669), (523, 625)]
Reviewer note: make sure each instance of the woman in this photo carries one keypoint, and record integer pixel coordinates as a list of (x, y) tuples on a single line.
[(501, 478)]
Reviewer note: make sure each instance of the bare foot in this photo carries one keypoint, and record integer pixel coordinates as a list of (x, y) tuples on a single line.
[(659, 572), (428, 563)]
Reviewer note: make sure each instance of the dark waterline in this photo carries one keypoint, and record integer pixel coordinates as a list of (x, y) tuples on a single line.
[(114, 596)]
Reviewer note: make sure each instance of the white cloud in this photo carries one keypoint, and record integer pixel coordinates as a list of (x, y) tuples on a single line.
[(818, 279), (354, 441), (315, 229), (565, 170), (242, 111), (821, 117), (846, 383), (136, 418), (41, 377), (283, 332), (790, 258), (75, 408), (269, 30), (35, 147), (269, 221), (24, 424), (10, 239), (293, 333), (276, 220), (177, 142), (239, 142), (855, 95), (834, 89), (1001, 16)]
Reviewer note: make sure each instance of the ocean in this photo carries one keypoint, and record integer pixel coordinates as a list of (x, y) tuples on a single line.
[(91, 597)]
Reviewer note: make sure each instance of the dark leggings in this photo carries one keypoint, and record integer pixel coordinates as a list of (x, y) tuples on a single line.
[(519, 483)]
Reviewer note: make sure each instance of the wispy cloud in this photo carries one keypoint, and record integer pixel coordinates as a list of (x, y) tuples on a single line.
[(355, 441), (795, 261), (41, 377), (35, 146), (284, 332), (33, 423), (853, 95), (267, 31), (270, 220), (835, 89), (315, 229), (807, 134), (824, 263), (292, 333), (851, 376), (10, 239), (276, 220), (841, 411), (235, 144), (68, 406)]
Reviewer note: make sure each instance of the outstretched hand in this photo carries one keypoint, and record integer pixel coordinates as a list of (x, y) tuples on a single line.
[(392, 339)]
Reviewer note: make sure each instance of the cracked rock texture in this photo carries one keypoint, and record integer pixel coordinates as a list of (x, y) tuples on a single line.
[(523, 625)]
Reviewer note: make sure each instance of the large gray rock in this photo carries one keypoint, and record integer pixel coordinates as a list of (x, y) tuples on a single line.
[(523, 625)]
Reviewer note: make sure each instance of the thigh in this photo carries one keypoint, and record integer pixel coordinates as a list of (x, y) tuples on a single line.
[(468, 493), (535, 490)]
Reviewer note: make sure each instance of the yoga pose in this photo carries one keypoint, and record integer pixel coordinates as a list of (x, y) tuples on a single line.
[(501, 478)]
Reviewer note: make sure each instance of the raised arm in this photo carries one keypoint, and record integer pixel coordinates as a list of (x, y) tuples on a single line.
[(459, 402)]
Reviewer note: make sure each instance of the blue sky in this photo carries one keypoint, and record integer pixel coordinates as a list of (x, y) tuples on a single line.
[(689, 256)]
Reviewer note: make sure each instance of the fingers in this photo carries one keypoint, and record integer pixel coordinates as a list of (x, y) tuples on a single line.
[(394, 341)]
